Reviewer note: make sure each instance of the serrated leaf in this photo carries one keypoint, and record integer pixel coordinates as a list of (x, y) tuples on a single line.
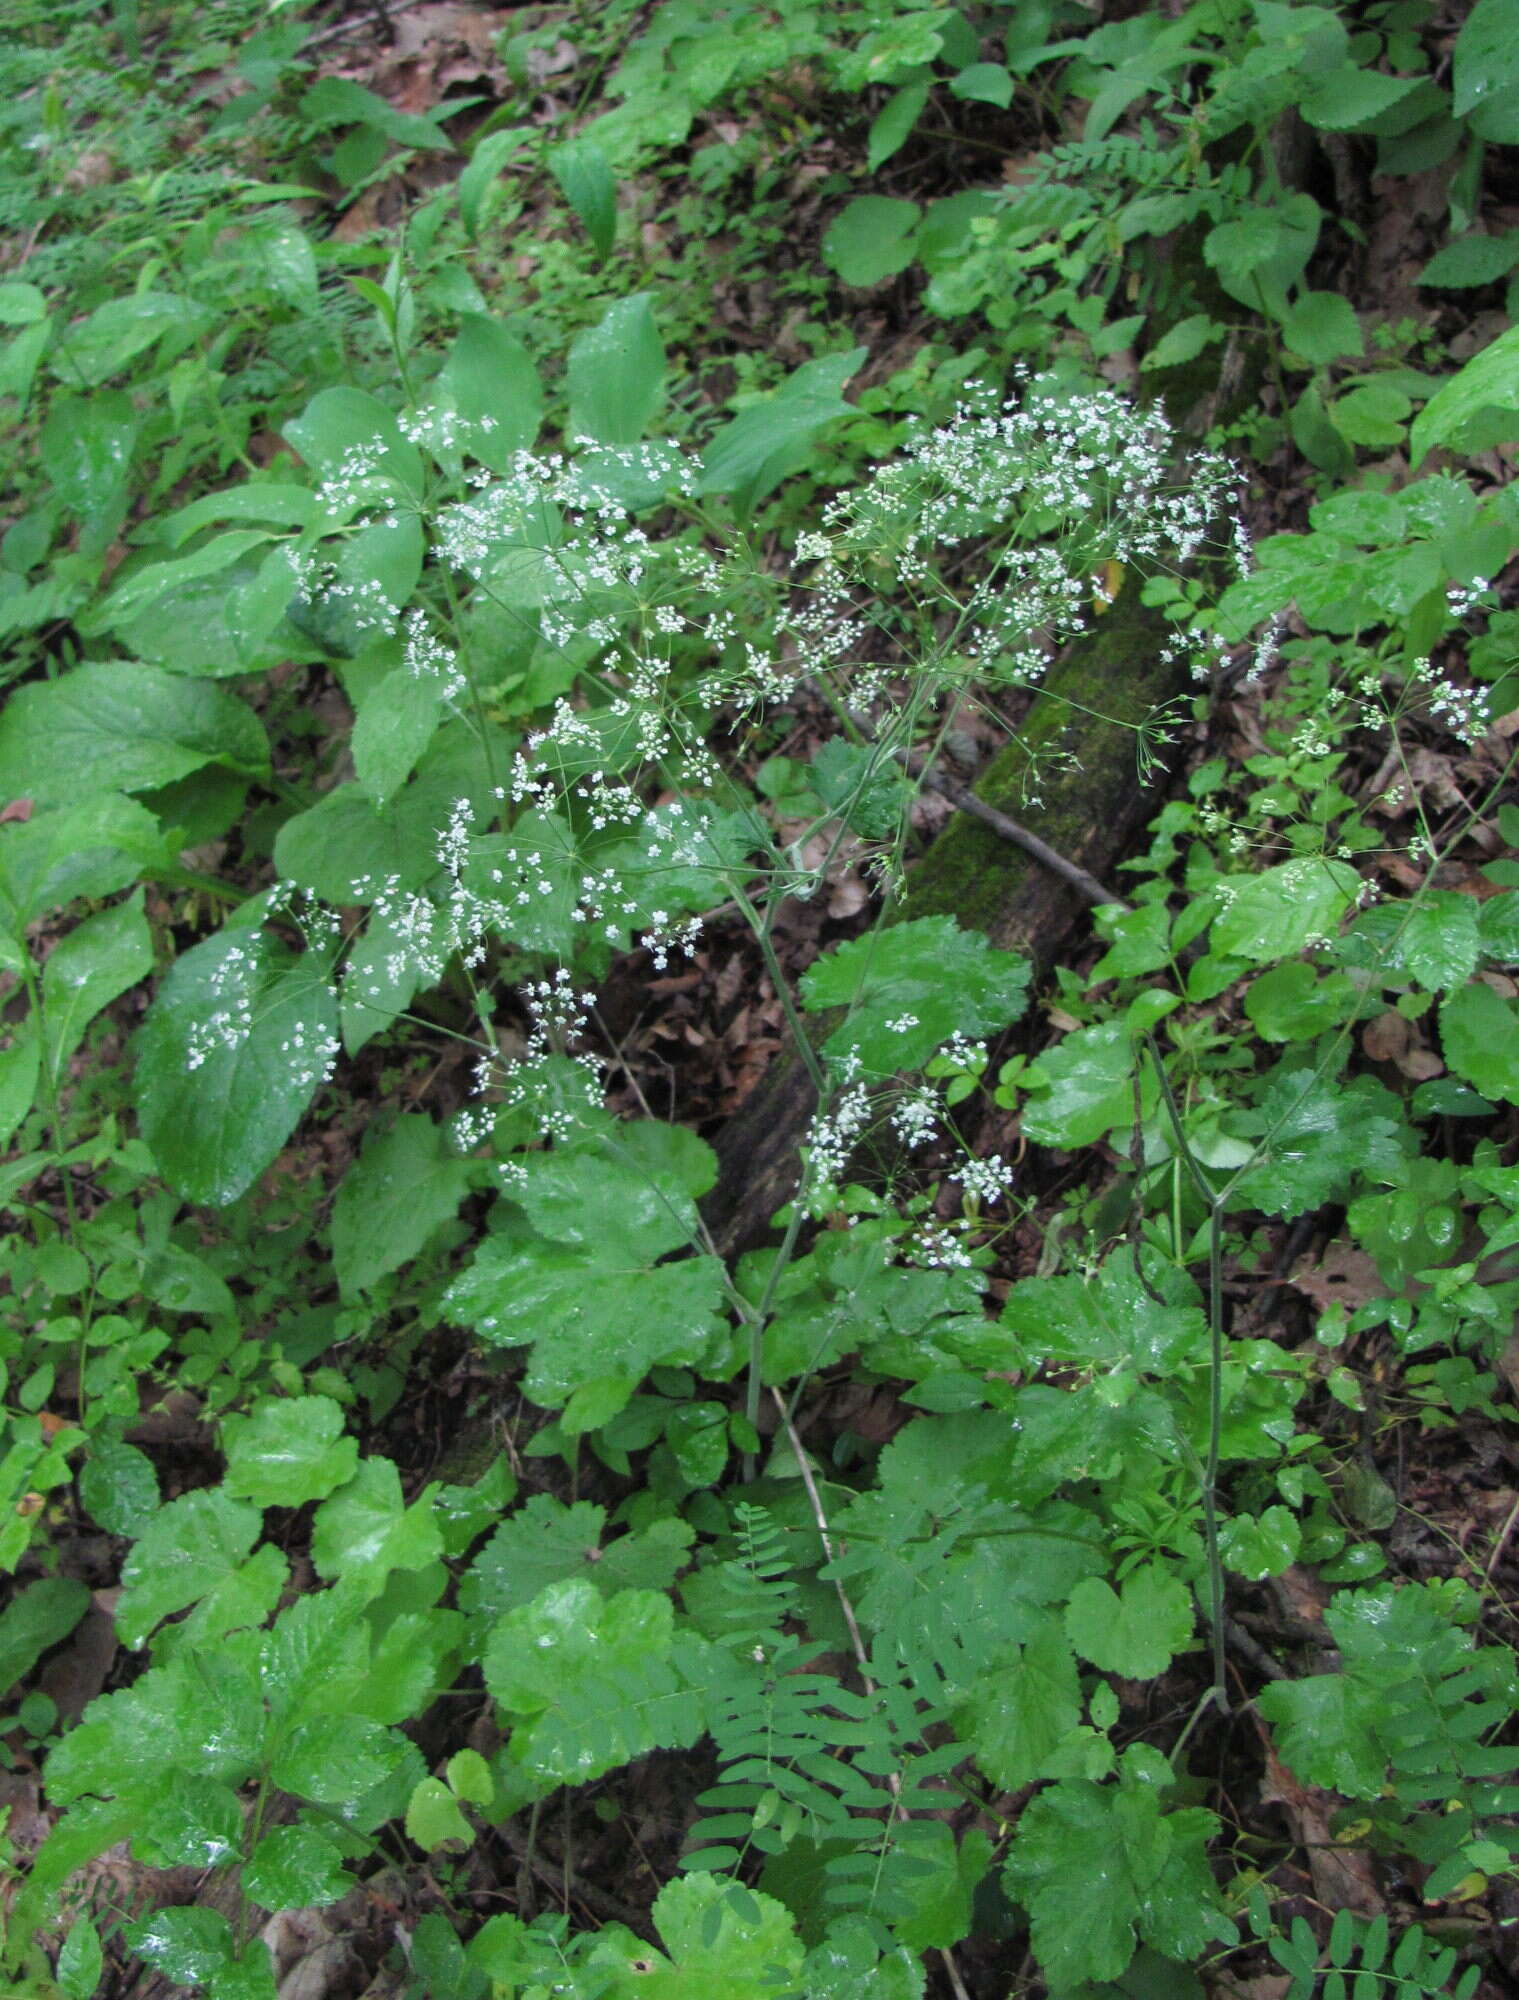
[(1082, 1088), (1276, 913), (121, 727), (406, 1183), (187, 1942), (37, 1617), (80, 1960), (288, 1451), (188, 1547), (191, 1822), (871, 239), (1479, 1034), (1015, 1717), (366, 1530), (1107, 1318), (1135, 1631), (1485, 66), (911, 987), (233, 1049), (1320, 1139), (335, 1759), (295, 1868), (1257, 1546)]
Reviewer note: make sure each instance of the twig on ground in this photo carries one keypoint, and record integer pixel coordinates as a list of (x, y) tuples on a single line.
[(1009, 830)]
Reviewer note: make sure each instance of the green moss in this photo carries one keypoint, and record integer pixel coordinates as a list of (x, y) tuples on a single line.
[(1114, 669)]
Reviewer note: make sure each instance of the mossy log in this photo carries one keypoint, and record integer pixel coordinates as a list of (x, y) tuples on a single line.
[(1108, 681)]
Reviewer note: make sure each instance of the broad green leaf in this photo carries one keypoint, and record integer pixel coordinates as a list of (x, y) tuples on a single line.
[(115, 333), (469, 1778), (192, 1822), (21, 304), (20, 1067), (480, 179), (433, 1817), (591, 1682), (1277, 913), (1135, 1631), (1082, 1088), (184, 1552), (1109, 1316), (1182, 342), (123, 727), (983, 83), (615, 374), (1325, 1726), (1258, 258), (277, 502), (724, 1942), (1472, 260), (1322, 327), (490, 379), (295, 1868), (1350, 99), (406, 1183), (1293, 1003), (411, 1664), (80, 1960), (235, 1045), (338, 100), (147, 587), (335, 1759), (1477, 407), (366, 1530), (1319, 1140), (770, 439), (1016, 1716), (544, 1542), (1257, 1546), (37, 1617), (892, 125), (1485, 70), (588, 184), (911, 987), (314, 1659), (871, 239), (380, 978), (1479, 1033), (344, 848), (338, 421), (288, 1451), (188, 1943), (1437, 939), (89, 967), (249, 1976), (86, 447)]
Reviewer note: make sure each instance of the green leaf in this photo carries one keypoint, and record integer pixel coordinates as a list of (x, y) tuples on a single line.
[(1259, 258), (338, 420), (1325, 1726), (433, 1817), (188, 1547), (1015, 1717), (983, 83), (588, 184), (724, 1942), (871, 239), (591, 1682), (1350, 98), (86, 448), (1472, 260), (1182, 342), (190, 1822), (287, 1451), (80, 1960), (892, 125), (1485, 66), (546, 1542), (406, 1183), (1108, 1317), (480, 179), (616, 373), (772, 438), (235, 1045), (295, 1868), (188, 1943), (1261, 1546), (395, 720), (1293, 1002), (335, 1759), (909, 988), (490, 379), (1477, 407), (114, 334), (121, 727), (1082, 1088), (1277, 913), (1136, 1631), (38, 1616), (1479, 1033), (89, 967), (592, 1291), (366, 1530), (1320, 1141), (469, 1777), (20, 1067), (247, 1977), (1322, 327), (147, 588)]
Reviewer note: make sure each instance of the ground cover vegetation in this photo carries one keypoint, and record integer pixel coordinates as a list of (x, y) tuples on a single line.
[(529, 533)]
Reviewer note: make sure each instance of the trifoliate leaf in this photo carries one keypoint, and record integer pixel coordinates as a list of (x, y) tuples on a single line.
[(406, 1183), (366, 1530), (1276, 913), (1016, 1716), (184, 1552), (295, 1868), (1135, 1631), (433, 1817), (288, 1451), (1479, 1033), (909, 988)]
